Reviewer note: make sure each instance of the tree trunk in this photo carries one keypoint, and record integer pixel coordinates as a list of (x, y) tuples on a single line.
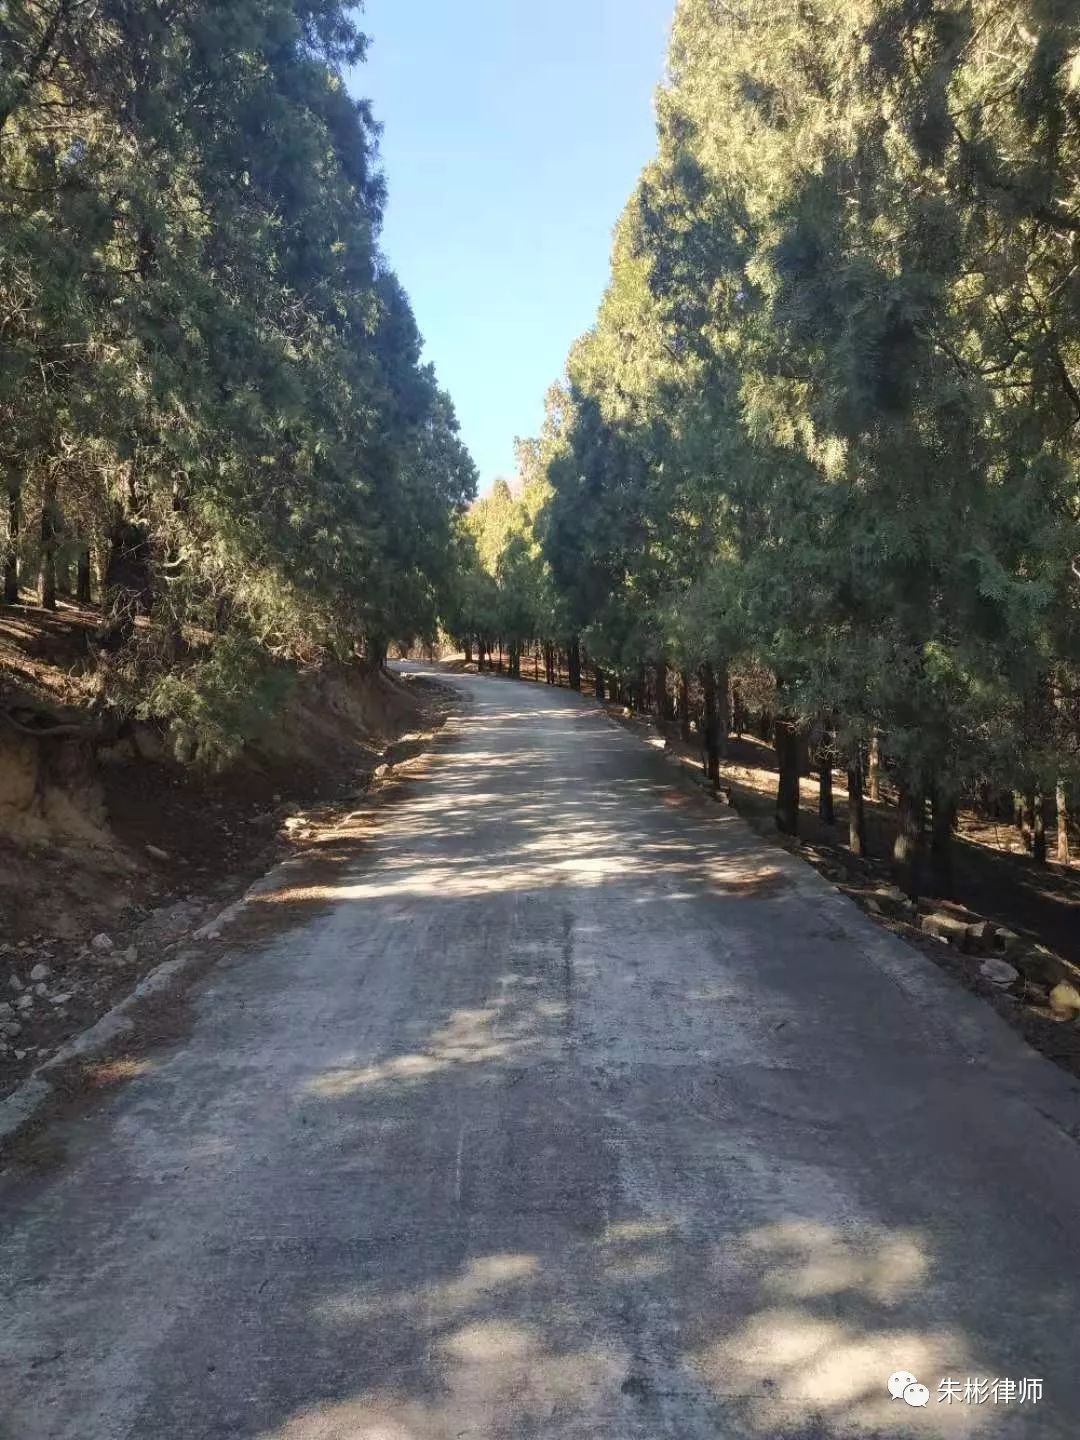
[(943, 811), (1028, 802), (1022, 816), (710, 729), (856, 809), (11, 548), (83, 593), (1003, 806), (467, 647), (573, 663), (874, 768), (805, 761), (50, 539), (786, 743), (599, 685), (826, 810), (909, 845), (1038, 828), (738, 712), (684, 705), (1062, 823), (723, 708), (640, 702), (129, 585), (664, 707)]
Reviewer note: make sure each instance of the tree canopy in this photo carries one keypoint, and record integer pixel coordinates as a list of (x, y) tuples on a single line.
[(821, 442), (211, 389)]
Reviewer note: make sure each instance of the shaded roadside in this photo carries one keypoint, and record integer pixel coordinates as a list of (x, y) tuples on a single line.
[(83, 926), (1032, 909)]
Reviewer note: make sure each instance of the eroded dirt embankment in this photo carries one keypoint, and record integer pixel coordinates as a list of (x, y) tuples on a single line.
[(112, 854)]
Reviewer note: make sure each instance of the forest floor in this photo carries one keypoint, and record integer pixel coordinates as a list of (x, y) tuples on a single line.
[(83, 919), (995, 879)]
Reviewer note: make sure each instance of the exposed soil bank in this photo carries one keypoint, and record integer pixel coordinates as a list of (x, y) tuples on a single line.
[(111, 856)]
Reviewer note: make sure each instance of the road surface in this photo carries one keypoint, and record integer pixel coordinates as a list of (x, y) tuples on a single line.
[(577, 1111)]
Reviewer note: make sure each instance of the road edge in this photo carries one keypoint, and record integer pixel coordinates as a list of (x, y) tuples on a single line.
[(25, 1104)]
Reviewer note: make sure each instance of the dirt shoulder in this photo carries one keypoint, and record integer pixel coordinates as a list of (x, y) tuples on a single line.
[(84, 916), (1004, 911)]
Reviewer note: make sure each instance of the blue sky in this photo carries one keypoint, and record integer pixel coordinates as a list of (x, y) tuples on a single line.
[(514, 132)]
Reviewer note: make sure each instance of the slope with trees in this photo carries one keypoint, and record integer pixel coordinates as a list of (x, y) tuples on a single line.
[(216, 422)]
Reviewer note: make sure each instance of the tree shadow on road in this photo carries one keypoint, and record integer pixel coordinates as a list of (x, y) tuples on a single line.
[(554, 1123)]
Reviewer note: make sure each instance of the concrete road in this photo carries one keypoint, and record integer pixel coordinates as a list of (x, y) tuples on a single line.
[(576, 1112)]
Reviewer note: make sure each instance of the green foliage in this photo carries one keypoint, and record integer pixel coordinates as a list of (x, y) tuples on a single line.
[(825, 425), (205, 367), (221, 703), (503, 591)]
